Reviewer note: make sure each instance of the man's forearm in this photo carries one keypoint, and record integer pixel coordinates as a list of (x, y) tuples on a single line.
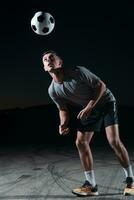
[(101, 89), (64, 117)]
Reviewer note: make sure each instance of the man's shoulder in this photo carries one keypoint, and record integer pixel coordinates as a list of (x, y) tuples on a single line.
[(75, 69), (82, 68), (51, 87), (51, 84)]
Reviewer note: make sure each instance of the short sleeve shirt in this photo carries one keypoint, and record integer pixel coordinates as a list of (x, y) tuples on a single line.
[(78, 88)]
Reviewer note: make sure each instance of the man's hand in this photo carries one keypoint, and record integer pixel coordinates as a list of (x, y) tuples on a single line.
[(83, 114), (63, 130)]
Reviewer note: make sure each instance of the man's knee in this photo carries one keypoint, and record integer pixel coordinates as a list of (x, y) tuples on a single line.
[(80, 143), (112, 133), (114, 143)]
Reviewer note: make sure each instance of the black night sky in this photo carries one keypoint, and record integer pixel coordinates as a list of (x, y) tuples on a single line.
[(99, 36)]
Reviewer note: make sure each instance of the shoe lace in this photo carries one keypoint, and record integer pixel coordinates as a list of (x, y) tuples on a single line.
[(86, 184)]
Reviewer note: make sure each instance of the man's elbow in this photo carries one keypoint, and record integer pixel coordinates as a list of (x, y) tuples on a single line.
[(63, 109), (103, 86)]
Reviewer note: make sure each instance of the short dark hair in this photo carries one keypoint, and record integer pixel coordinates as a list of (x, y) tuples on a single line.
[(51, 51)]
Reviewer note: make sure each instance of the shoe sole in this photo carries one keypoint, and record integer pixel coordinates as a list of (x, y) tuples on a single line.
[(84, 194), (128, 193)]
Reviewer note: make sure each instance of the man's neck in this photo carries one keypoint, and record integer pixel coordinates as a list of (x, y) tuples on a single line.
[(58, 76)]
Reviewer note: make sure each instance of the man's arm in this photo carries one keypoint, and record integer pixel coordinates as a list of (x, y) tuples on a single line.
[(64, 119), (98, 94)]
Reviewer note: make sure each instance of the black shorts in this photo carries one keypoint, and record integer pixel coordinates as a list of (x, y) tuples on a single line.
[(105, 115)]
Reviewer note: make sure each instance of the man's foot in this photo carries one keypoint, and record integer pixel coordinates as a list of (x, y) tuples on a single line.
[(129, 189), (86, 190)]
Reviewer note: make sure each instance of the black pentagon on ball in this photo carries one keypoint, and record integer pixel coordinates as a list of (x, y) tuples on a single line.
[(51, 20), (34, 28), (40, 18), (45, 29)]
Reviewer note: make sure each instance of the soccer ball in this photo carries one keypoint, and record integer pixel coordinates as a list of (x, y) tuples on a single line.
[(42, 23)]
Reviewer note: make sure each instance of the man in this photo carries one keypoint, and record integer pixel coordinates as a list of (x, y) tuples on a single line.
[(96, 103)]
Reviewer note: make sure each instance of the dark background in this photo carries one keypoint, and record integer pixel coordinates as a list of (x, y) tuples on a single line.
[(95, 34)]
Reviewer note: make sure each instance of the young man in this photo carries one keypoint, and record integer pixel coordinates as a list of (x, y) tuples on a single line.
[(97, 104)]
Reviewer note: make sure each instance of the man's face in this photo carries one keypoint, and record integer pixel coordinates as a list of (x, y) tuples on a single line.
[(51, 62)]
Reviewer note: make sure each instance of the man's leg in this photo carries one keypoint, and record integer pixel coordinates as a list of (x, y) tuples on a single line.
[(82, 143), (112, 133)]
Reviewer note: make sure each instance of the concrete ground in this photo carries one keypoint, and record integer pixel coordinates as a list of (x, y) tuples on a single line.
[(41, 173)]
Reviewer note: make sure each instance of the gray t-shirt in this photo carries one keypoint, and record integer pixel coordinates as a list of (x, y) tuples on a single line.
[(77, 88)]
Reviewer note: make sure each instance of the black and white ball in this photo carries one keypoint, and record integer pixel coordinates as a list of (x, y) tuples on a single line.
[(42, 23)]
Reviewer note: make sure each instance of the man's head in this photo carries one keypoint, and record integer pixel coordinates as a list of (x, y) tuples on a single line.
[(51, 61)]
